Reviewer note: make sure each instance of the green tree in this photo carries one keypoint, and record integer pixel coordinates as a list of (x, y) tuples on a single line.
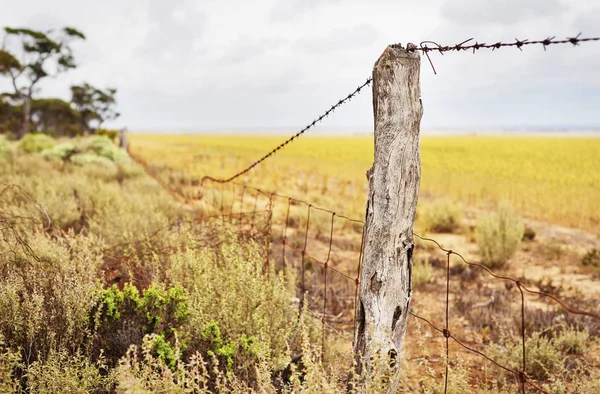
[(95, 105), (34, 55), (55, 117)]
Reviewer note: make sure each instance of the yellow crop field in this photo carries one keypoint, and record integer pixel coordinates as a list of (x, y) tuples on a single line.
[(552, 179)]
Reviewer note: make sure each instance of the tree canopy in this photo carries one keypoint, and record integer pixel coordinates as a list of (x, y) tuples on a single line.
[(28, 56)]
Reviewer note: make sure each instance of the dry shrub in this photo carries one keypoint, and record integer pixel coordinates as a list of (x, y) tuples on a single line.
[(591, 258), (545, 354), (237, 294), (442, 217), (421, 272), (5, 151), (498, 236), (46, 292), (9, 361), (69, 373)]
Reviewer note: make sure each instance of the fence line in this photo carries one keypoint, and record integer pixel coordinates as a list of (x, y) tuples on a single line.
[(318, 299), (411, 48)]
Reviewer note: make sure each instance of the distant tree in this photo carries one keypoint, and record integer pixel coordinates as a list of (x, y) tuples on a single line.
[(95, 105), (39, 55), (10, 115), (55, 117)]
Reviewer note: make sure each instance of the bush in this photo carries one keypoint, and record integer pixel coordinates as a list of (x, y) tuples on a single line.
[(233, 330), (591, 259), (61, 151), (5, 151), (528, 234), (35, 143), (545, 353), (9, 361), (498, 236), (123, 317), (442, 217), (542, 357), (109, 133), (46, 292), (421, 272), (65, 373), (83, 159), (572, 341), (102, 146)]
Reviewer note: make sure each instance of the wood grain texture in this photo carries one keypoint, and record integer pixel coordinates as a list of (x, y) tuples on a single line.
[(385, 282)]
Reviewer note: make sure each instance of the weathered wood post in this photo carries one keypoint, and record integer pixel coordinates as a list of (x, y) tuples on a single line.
[(385, 281), (123, 139)]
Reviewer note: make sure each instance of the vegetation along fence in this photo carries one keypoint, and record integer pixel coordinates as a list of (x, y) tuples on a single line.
[(354, 275)]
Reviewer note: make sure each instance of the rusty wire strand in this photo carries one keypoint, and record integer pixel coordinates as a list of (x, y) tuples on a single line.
[(292, 138), (515, 281), (518, 374), (523, 379)]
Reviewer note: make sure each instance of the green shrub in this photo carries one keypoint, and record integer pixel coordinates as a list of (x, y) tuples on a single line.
[(215, 292), (104, 147), (442, 217), (498, 236), (545, 353), (123, 317), (144, 370), (61, 151), (35, 143), (572, 341), (90, 158)]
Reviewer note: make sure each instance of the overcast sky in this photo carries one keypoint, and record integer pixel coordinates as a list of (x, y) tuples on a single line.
[(219, 64)]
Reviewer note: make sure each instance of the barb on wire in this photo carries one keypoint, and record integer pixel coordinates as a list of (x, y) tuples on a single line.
[(519, 44), (292, 138)]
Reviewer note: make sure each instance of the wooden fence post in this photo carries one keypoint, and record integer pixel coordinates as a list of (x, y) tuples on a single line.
[(385, 281), (123, 139)]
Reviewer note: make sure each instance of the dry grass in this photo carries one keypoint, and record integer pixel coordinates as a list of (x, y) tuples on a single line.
[(238, 325), (545, 178)]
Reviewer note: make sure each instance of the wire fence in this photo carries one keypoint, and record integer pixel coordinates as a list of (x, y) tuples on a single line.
[(322, 244), (322, 247)]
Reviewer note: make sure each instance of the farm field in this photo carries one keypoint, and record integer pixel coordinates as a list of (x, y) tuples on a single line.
[(548, 181), (551, 179), (172, 271)]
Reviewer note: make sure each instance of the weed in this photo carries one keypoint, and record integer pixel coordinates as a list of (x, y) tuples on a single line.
[(591, 259), (442, 217), (421, 272), (498, 236), (528, 234)]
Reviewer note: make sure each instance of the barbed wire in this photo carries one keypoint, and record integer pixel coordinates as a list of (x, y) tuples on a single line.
[(519, 44), (412, 48), (327, 267), (298, 134)]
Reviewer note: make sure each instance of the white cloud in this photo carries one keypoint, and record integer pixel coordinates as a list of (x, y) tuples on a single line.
[(223, 63)]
